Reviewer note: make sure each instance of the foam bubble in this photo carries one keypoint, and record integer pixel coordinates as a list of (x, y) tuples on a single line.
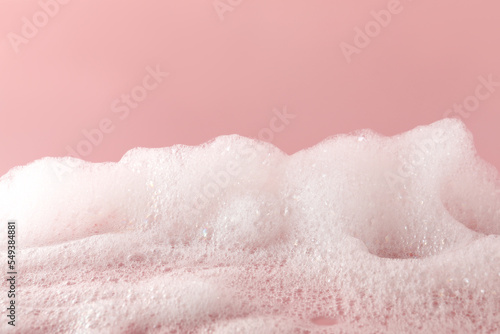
[(359, 234)]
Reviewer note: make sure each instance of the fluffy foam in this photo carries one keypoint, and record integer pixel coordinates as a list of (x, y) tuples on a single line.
[(358, 234)]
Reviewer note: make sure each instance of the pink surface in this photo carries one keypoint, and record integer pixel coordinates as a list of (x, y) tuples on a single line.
[(233, 66)]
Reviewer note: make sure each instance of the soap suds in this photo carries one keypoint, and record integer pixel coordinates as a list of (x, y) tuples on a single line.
[(359, 234)]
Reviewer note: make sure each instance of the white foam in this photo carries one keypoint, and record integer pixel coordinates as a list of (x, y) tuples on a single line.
[(358, 234)]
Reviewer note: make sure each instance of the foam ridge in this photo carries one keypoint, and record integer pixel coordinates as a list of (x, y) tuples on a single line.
[(360, 233)]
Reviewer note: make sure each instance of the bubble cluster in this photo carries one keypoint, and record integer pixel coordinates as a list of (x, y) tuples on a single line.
[(359, 234)]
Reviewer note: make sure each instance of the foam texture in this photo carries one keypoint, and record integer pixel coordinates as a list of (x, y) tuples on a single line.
[(359, 234)]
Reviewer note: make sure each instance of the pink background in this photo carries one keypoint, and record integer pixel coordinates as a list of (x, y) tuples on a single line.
[(227, 76)]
